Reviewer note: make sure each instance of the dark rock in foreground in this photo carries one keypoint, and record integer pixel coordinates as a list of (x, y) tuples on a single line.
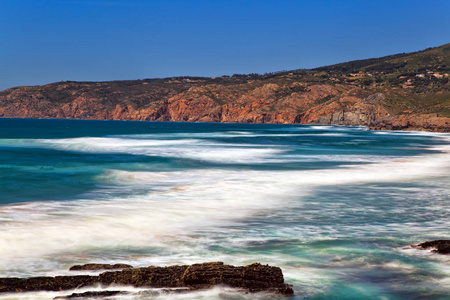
[(57, 283), (95, 267), (253, 278), (99, 294), (440, 246)]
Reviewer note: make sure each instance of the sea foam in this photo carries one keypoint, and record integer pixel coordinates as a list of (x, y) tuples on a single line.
[(237, 215), (181, 203)]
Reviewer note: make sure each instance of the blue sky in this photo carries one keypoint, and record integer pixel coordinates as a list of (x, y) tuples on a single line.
[(43, 41)]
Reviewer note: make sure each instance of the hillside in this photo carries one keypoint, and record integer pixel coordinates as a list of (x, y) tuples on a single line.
[(403, 91)]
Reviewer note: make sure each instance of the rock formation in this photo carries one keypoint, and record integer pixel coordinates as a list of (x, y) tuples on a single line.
[(90, 295), (253, 278), (95, 267), (438, 246)]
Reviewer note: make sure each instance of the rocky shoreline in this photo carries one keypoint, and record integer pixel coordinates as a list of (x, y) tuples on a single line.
[(252, 278), (381, 93), (172, 279), (262, 103)]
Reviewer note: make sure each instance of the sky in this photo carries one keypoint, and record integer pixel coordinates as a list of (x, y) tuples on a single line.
[(44, 41)]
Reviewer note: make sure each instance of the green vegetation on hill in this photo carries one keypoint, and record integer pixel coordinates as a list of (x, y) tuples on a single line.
[(431, 59), (412, 83), (418, 82)]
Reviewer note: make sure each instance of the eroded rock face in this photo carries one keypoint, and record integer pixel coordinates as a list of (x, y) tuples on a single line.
[(438, 246), (427, 122), (348, 110), (254, 278), (204, 101)]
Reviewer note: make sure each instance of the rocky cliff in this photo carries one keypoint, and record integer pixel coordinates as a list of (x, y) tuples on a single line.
[(417, 98)]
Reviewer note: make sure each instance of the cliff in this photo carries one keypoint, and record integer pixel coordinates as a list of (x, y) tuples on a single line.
[(399, 92)]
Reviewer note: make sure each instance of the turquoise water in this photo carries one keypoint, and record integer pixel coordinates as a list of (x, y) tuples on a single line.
[(334, 207)]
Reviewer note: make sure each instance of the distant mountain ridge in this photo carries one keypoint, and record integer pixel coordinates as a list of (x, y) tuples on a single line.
[(409, 91)]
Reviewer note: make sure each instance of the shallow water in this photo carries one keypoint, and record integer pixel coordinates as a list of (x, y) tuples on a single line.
[(334, 207)]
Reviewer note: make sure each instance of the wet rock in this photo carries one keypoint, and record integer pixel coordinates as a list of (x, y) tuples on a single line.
[(98, 294), (158, 277), (253, 278), (95, 267), (57, 283), (438, 246)]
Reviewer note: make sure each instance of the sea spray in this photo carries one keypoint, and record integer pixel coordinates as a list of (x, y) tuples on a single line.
[(334, 207)]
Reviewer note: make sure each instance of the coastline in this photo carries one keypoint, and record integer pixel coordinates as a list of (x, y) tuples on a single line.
[(385, 125)]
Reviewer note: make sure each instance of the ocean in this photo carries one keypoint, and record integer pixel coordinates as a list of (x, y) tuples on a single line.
[(335, 208)]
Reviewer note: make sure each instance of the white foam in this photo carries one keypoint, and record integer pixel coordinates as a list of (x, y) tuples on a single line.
[(219, 293), (184, 148), (192, 201), (166, 222), (174, 205), (193, 149)]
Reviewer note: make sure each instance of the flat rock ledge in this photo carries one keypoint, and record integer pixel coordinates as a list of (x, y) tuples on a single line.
[(96, 267), (252, 278), (438, 246)]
